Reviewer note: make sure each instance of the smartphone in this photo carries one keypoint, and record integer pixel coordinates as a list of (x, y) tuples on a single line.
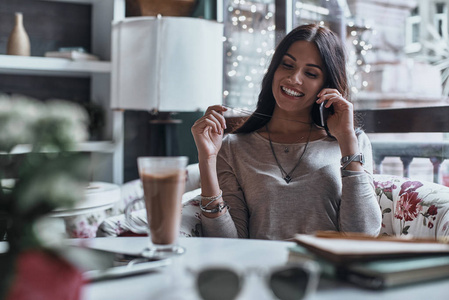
[(99, 264), (324, 113)]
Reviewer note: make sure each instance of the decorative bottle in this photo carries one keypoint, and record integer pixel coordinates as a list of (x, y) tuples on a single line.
[(18, 42)]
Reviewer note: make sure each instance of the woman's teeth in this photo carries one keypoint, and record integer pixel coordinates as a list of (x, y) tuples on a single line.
[(292, 92)]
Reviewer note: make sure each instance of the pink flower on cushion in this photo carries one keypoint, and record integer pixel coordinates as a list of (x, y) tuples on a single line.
[(446, 225), (386, 186), (410, 186), (433, 210), (408, 207)]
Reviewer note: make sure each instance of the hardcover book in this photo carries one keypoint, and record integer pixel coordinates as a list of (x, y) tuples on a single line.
[(73, 55), (374, 263), (343, 249)]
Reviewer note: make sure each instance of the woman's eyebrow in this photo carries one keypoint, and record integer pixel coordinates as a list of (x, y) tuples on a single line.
[(309, 65)]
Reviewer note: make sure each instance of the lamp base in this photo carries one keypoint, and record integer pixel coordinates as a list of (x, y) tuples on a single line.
[(163, 136)]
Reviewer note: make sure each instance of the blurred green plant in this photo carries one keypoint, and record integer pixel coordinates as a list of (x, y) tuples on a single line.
[(35, 182)]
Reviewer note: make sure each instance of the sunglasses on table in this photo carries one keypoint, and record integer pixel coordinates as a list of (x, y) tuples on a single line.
[(290, 282)]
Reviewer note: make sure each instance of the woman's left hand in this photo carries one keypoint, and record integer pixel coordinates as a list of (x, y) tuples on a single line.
[(341, 123)]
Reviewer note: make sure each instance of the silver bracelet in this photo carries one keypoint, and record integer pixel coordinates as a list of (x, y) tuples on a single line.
[(217, 209), (211, 199)]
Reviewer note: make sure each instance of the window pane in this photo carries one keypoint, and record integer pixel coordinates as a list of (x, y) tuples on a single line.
[(415, 33), (250, 42), (386, 76), (327, 13), (440, 7)]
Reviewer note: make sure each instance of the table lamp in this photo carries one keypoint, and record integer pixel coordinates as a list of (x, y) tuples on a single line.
[(166, 64)]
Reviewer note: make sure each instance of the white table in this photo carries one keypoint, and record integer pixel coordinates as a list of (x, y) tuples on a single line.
[(174, 282), (83, 218), (97, 196)]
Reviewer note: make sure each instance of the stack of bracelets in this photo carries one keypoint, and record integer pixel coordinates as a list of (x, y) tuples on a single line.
[(217, 209)]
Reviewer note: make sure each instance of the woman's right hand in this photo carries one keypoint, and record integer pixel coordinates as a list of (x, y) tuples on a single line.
[(208, 131)]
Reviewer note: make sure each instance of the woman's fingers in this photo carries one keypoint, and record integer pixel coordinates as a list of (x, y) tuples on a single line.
[(215, 113), (328, 91), (220, 118), (332, 97), (217, 108), (329, 95), (213, 119)]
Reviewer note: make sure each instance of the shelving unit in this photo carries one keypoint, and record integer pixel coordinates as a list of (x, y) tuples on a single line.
[(27, 65), (108, 152), (95, 146)]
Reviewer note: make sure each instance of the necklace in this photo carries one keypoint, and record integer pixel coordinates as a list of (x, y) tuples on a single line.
[(286, 176), (286, 150)]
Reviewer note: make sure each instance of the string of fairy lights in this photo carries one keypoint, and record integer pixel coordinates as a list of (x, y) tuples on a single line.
[(250, 41), (249, 45), (359, 48)]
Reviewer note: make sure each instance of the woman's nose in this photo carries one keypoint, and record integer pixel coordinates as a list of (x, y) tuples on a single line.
[(296, 77)]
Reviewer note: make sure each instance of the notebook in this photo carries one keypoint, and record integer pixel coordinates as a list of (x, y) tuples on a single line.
[(372, 262), (382, 274), (355, 248)]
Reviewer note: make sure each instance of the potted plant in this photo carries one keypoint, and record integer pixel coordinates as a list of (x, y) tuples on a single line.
[(33, 183)]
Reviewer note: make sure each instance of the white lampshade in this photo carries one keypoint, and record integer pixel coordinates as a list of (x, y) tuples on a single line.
[(168, 64)]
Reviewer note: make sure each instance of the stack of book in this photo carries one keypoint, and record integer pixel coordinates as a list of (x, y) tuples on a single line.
[(72, 53), (375, 263)]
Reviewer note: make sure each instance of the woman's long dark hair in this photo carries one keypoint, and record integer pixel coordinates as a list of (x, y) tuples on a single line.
[(334, 60)]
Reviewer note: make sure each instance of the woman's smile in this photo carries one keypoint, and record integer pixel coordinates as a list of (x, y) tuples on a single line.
[(292, 92)]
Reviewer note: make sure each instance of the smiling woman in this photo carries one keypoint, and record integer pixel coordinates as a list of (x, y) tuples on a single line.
[(273, 193)]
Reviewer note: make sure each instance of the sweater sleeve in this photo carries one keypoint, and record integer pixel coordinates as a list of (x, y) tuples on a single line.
[(234, 223), (359, 210)]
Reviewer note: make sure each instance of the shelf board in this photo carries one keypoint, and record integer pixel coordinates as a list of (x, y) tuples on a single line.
[(91, 146), (72, 1), (96, 146), (34, 65)]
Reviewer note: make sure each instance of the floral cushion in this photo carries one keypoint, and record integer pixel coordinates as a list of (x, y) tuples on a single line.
[(190, 222), (191, 218), (86, 225), (413, 208)]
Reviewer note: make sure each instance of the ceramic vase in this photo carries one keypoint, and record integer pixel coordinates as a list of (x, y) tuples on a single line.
[(18, 42)]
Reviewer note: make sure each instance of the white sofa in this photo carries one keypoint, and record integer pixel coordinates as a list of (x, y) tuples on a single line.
[(409, 207)]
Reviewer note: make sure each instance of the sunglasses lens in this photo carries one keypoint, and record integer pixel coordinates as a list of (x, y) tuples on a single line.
[(289, 284), (218, 284)]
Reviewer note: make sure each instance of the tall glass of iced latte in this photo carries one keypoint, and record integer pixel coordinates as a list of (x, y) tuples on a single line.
[(163, 180)]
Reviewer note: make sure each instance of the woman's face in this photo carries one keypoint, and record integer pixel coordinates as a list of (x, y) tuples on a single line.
[(299, 78)]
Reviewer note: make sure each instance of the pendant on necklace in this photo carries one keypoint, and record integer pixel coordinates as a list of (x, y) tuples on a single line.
[(286, 150), (287, 179)]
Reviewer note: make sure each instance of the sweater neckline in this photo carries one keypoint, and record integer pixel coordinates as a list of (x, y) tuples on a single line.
[(259, 136)]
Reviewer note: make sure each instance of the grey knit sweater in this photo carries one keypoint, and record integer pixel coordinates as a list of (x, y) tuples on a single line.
[(264, 206)]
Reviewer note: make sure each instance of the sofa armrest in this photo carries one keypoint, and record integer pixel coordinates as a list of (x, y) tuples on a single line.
[(193, 177), (412, 207), (190, 219)]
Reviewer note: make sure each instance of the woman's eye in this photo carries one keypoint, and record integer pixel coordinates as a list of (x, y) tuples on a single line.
[(312, 75), (287, 65)]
